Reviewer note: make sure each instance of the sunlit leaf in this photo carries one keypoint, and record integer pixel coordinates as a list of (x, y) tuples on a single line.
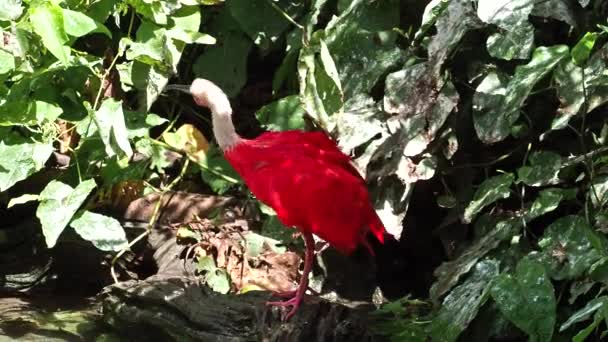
[(284, 114), (104, 232), (581, 51), (48, 22), (10, 10), (58, 203), (17, 162), (110, 122)]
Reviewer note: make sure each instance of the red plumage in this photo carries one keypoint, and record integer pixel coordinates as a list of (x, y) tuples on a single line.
[(303, 176), (310, 184)]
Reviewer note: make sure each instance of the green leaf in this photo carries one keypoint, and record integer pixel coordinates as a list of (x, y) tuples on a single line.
[(581, 51), (527, 299), (7, 62), (22, 199), (17, 162), (225, 64), (58, 203), (255, 244), (450, 272), (218, 280), (496, 103), (284, 114), (104, 232), (78, 24), (112, 129), (273, 228), (215, 277), (139, 124), (262, 21), (47, 20), (46, 111), (217, 172), (543, 170), (490, 191), (461, 306), (567, 249), (190, 37)]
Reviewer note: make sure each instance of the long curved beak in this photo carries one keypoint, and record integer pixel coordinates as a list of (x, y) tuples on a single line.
[(179, 87)]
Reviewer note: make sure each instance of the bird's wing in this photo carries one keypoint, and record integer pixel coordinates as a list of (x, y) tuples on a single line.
[(309, 183), (314, 144)]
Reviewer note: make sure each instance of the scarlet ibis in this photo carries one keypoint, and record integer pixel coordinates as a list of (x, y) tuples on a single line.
[(303, 176)]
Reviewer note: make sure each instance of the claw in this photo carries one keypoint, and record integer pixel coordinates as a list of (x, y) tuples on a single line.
[(293, 302)]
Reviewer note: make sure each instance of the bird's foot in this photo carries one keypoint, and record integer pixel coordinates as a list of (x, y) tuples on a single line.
[(290, 294), (294, 302)]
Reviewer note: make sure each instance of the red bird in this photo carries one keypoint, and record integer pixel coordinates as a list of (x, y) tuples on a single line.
[(303, 176)]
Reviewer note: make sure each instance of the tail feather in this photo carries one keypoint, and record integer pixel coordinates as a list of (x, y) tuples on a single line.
[(376, 226)]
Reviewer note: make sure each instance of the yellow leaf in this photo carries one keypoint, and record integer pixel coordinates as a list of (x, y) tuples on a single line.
[(190, 140)]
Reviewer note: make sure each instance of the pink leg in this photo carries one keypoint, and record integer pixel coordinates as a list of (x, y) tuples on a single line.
[(299, 293)]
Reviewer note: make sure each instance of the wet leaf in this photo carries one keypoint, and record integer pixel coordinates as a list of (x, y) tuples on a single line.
[(104, 232), (543, 170), (58, 203), (567, 249), (496, 104), (516, 38), (527, 299), (362, 44), (462, 304), (450, 272), (490, 191)]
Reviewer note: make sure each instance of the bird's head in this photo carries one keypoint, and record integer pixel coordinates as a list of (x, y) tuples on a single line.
[(203, 91)]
